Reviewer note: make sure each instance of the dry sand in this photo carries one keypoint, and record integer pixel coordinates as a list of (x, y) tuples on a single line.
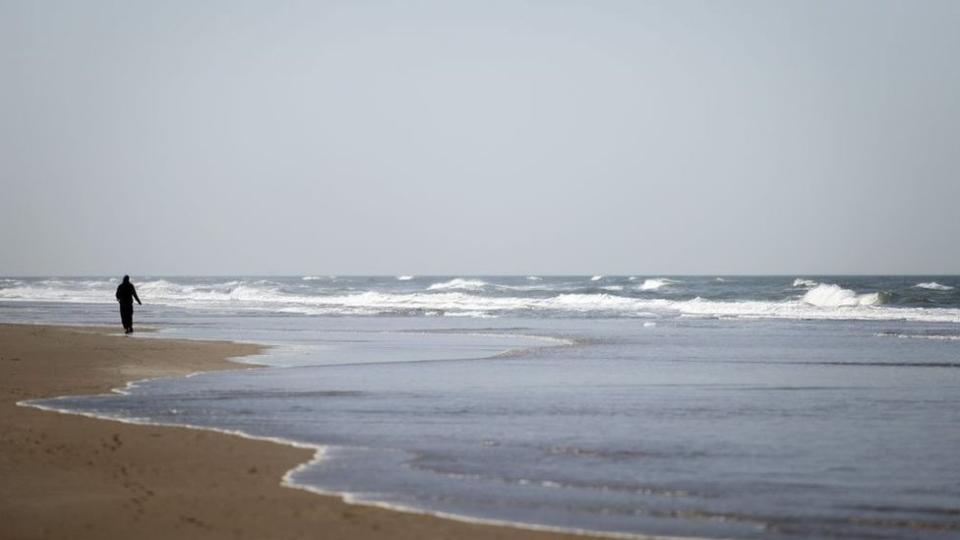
[(67, 476)]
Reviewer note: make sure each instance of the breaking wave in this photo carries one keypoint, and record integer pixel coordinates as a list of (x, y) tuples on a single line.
[(654, 284), (808, 283), (58, 290), (933, 286), (404, 278), (459, 283), (468, 298), (830, 295)]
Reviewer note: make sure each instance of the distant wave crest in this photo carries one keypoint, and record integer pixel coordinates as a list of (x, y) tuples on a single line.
[(932, 336), (933, 286), (808, 283), (654, 284), (459, 283)]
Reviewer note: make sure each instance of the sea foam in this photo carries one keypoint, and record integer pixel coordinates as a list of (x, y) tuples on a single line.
[(936, 337)]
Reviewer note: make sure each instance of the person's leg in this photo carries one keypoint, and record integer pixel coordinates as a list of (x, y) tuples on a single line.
[(126, 317)]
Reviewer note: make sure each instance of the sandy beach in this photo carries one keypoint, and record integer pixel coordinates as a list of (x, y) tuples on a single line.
[(67, 476)]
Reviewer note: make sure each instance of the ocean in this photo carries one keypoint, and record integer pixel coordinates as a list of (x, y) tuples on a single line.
[(696, 406)]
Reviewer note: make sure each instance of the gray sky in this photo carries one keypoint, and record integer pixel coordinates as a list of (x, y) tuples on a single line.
[(479, 137)]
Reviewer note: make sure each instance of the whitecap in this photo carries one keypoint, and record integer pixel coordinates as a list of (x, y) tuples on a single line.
[(404, 278), (808, 283), (654, 284), (596, 278), (459, 283), (830, 295), (933, 286)]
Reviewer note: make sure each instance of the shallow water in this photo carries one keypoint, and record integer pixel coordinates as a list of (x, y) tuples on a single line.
[(660, 422)]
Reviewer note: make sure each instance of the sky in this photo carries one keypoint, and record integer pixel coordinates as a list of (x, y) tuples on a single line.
[(493, 137)]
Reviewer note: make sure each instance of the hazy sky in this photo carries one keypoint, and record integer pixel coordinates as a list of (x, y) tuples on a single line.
[(479, 137)]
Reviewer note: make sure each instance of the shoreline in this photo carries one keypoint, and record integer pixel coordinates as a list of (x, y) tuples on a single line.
[(79, 476)]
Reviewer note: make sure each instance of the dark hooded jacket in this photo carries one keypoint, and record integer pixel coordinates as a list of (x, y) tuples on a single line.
[(126, 294)]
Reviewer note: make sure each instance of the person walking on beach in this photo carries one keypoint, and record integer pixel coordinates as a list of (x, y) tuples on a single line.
[(126, 294)]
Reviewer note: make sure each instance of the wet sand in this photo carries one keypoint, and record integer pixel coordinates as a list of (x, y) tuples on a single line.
[(68, 476)]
